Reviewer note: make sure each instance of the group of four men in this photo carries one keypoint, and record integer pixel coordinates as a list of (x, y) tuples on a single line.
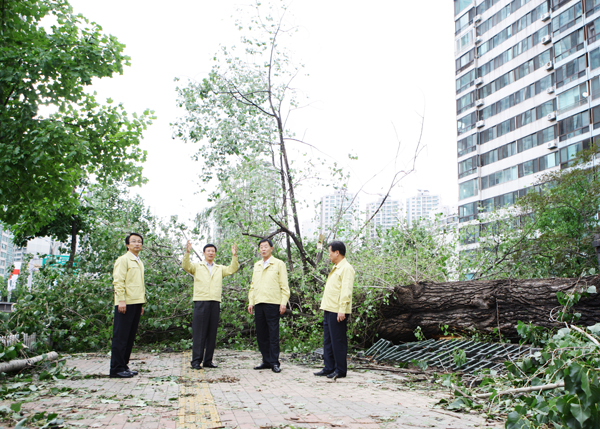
[(267, 300)]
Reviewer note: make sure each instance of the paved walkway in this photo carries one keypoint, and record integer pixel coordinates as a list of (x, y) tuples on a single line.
[(169, 394)]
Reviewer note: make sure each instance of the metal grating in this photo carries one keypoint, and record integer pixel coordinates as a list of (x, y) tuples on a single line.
[(440, 353)]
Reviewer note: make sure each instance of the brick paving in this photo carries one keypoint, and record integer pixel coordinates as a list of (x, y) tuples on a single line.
[(168, 394)]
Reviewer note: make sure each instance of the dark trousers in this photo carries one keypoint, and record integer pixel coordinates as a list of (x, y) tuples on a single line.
[(204, 330), (266, 320), (124, 329), (335, 343)]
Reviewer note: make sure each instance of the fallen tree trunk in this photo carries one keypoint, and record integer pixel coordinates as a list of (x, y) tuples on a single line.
[(18, 364), (483, 306)]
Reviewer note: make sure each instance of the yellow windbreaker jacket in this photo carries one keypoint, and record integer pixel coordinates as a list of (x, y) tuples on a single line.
[(269, 285), (128, 280), (207, 285), (337, 296)]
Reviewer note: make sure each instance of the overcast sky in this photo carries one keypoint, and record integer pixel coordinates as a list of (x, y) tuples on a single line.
[(372, 72)]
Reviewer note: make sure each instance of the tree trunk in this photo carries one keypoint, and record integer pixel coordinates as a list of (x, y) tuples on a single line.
[(74, 231), (483, 306)]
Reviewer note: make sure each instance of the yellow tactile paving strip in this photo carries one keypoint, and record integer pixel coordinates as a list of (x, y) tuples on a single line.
[(197, 409)]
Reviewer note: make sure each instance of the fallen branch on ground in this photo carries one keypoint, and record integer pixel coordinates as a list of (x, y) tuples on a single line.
[(524, 390), (18, 364)]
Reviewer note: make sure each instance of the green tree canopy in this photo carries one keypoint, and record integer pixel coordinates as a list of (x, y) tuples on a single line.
[(55, 138)]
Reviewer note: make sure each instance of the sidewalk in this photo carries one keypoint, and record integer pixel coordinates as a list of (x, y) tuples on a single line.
[(167, 393)]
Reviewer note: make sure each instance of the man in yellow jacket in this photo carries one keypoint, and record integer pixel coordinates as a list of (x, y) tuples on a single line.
[(130, 295), (337, 306), (208, 283), (268, 297)]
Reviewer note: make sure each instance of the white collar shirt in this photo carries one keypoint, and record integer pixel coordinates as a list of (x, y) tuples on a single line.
[(266, 263)]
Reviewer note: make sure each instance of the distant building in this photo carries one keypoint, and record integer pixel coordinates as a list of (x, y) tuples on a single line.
[(420, 206), (309, 229), (37, 247), (389, 215), (7, 249), (338, 211), (445, 215)]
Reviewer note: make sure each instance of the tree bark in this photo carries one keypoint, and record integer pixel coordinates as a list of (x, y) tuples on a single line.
[(18, 364), (483, 306)]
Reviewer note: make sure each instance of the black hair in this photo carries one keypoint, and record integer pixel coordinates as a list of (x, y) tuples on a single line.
[(133, 233), (338, 246), (265, 240), (209, 245)]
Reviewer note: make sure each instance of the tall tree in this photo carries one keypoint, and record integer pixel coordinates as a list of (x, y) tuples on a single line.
[(239, 113), (55, 138)]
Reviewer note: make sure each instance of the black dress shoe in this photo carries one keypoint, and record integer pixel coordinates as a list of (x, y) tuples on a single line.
[(322, 373), (196, 366), (263, 366), (122, 374), (335, 375), (133, 372), (209, 365), (276, 369)]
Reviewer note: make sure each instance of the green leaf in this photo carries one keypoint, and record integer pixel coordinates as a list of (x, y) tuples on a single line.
[(581, 413)]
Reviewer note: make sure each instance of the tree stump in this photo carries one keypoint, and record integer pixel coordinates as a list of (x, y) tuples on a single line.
[(483, 306)]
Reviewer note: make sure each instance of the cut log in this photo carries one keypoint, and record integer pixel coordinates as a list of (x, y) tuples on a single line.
[(482, 306), (18, 364)]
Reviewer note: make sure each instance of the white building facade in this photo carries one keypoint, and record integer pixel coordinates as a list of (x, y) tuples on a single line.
[(420, 205), (338, 211), (390, 215), (527, 94), (6, 251)]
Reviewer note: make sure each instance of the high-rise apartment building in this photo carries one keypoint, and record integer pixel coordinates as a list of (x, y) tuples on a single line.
[(527, 94), (389, 215), (420, 205), (338, 210)]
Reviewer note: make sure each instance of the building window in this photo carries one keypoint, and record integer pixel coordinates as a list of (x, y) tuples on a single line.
[(568, 45), (468, 189), (572, 98), (465, 81), (464, 21), (567, 19), (465, 102), (573, 126), (467, 145), (538, 164), (592, 30), (499, 177), (466, 123), (460, 5), (591, 7), (467, 212), (465, 61), (595, 59), (568, 154), (571, 71), (498, 154), (467, 167)]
